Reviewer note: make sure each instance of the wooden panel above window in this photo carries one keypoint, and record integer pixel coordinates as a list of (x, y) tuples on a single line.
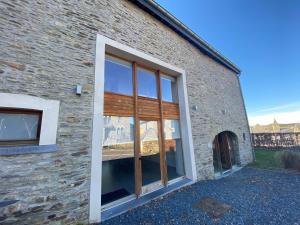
[(148, 108), (170, 110), (122, 105), (118, 104)]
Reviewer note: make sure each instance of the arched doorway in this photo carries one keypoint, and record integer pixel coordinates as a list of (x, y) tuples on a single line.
[(225, 152)]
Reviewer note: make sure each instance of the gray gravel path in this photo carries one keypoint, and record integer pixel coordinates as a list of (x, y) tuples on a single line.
[(256, 197)]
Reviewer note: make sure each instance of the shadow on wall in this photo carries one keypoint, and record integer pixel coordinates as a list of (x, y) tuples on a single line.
[(225, 151)]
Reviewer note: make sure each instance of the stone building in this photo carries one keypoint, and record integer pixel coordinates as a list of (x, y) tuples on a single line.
[(276, 127), (70, 68)]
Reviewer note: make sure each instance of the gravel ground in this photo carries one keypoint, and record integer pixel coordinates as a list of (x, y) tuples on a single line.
[(256, 196)]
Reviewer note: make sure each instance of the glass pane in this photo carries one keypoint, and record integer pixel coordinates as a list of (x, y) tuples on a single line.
[(169, 89), (117, 158), (118, 76), (18, 127), (146, 83), (174, 151), (150, 152)]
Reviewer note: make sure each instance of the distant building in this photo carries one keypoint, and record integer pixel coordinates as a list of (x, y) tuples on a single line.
[(276, 128)]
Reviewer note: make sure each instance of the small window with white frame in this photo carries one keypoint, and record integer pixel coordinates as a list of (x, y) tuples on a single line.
[(28, 124), (20, 126)]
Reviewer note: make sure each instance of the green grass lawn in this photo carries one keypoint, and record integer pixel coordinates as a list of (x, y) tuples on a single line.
[(267, 159)]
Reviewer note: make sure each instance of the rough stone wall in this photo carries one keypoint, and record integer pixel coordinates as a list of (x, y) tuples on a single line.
[(47, 47)]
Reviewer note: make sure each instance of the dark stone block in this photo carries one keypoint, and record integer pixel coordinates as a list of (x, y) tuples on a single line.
[(79, 153), (60, 217), (50, 217), (57, 206), (7, 203), (77, 183), (86, 63), (39, 199), (84, 203), (37, 208), (19, 213), (3, 217), (51, 198)]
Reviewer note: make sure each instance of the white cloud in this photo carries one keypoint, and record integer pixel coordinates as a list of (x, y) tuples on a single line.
[(292, 106), (281, 117)]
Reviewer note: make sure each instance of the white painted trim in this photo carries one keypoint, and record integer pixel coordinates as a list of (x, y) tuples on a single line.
[(176, 180), (97, 136), (186, 130), (50, 110), (103, 45)]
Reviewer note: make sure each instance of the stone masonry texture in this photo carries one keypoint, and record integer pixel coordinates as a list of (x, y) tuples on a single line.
[(47, 47)]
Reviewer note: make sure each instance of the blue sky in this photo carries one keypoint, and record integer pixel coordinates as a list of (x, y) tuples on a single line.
[(262, 37)]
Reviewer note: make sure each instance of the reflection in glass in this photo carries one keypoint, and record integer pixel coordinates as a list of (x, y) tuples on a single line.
[(14, 127), (169, 89), (150, 152), (146, 83), (173, 147), (117, 158), (118, 76)]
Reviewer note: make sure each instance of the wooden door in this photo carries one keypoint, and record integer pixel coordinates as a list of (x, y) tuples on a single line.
[(224, 151), (150, 155)]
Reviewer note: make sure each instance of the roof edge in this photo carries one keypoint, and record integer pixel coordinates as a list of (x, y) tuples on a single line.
[(168, 19)]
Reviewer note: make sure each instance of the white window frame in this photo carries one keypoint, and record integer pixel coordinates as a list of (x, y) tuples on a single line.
[(105, 45), (50, 109)]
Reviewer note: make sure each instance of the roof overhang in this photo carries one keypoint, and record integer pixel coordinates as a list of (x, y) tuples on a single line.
[(169, 20)]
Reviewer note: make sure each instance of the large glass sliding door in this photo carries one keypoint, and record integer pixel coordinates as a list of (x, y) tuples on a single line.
[(150, 152), (117, 158), (142, 147), (174, 152)]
